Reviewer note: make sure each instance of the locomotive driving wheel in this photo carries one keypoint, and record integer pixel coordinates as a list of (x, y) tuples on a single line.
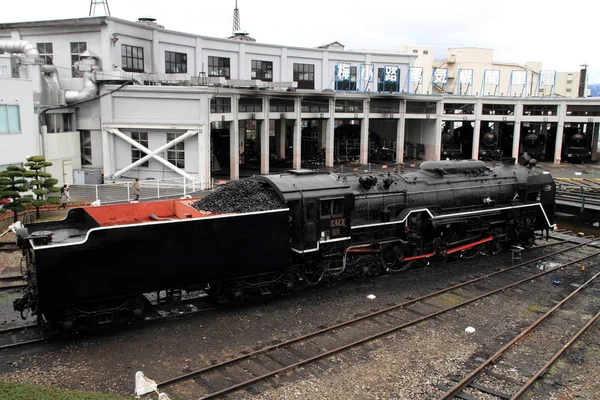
[(392, 258), (494, 246)]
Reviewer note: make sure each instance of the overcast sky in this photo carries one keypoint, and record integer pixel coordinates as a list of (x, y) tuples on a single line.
[(561, 34)]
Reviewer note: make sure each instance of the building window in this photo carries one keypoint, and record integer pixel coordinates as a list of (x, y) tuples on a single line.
[(304, 74), (570, 81), (568, 90), (349, 106), (85, 138), (176, 153), (425, 51), (175, 63), (250, 105), (281, 105), (262, 70), (315, 105), (540, 109), (219, 66), (583, 111), (46, 53), (420, 107), (76, 49), (498, 109), (385, 106), (348, 84), (136, 154), (10, 120), (220, 105), (459, 108), (132, 58), (415, 51)]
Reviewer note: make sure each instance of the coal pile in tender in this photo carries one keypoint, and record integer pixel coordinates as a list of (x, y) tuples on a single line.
[(246, 195)]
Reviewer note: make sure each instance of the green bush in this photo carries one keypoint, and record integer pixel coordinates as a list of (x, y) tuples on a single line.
[(15, 391)]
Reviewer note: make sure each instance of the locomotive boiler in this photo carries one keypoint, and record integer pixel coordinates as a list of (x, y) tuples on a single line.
[(94, 267)]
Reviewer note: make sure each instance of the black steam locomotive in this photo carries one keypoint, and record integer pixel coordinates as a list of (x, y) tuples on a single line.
[(93, 267), (534, 144), (577, 145), (489, 148)]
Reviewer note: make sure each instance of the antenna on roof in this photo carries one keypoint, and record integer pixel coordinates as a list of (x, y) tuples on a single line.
[(236, 19), (104, 4)]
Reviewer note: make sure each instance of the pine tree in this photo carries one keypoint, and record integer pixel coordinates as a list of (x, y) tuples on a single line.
[(42, 183), (13, 182)]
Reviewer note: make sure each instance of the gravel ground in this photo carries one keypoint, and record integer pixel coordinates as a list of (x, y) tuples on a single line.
[(406, 365)]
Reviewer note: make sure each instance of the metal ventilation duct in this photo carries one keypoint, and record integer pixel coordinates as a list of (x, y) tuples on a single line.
[(19, 46)]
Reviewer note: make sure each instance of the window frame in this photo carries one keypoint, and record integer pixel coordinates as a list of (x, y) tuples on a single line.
[(173, 60), (47, 56), (219, 67), (176, 153), (132, 57), (16, 117), (85, 143), (261, 70), (306, 71), (76, 57), (137, 154), (220, 105)]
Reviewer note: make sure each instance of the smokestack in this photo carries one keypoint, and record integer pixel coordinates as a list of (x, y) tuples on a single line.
[(582, 81)]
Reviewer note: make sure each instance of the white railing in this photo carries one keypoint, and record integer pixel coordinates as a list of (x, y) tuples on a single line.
[(121, 190)]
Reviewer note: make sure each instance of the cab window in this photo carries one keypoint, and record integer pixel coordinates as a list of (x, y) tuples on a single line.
[(332, 208)]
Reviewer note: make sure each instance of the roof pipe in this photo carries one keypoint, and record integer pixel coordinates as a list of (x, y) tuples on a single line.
[(19, 46)]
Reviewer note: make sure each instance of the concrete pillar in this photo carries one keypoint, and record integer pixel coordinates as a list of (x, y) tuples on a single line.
[(400, 139), (364, 133), (198, 58), (329, 134), (234, 141), (437, 150), (264, 138), (517, 130), (280, 142), (476, 132), (105, 154), (204, 151), (326, 74), (297, 140), (156, 64), (562, 111)]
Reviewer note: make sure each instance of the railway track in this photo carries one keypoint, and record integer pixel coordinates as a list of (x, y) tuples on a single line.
[(19, 336), (12, 282), (258, 366), (534, 350)]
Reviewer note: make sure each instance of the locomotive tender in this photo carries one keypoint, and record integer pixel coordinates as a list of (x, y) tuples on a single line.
[(93, 267)]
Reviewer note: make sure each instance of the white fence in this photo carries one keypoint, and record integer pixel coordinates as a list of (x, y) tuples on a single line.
[(120, 191)]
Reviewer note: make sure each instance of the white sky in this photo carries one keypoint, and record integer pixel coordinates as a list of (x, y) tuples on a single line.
[(560, 34)]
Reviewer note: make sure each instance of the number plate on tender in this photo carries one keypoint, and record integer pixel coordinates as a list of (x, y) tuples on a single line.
[(338, 222)]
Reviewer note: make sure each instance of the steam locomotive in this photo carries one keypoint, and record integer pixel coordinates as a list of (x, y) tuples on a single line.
[(534, 144), (93, 267), (577, 145), (489, 148)]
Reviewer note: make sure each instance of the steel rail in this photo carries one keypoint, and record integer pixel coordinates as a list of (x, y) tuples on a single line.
[(16, 328), (565, 347), (183, 377), (379, 312), (460, 386), (7, 346)]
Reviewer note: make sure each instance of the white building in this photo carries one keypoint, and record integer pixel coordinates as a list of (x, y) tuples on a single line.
[(144, 101)]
